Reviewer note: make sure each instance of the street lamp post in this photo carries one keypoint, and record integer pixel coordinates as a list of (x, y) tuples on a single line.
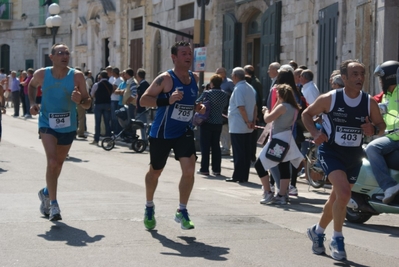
[(54, 21)]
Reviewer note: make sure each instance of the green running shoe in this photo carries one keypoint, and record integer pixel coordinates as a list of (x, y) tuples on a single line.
[(181, 217), (149, 218)]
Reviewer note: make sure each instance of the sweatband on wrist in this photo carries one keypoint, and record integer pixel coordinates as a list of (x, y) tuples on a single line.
[(162, 102)]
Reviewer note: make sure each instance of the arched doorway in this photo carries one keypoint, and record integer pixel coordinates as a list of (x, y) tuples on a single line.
[(5, 57)]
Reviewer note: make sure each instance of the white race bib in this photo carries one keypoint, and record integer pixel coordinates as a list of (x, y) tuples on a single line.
[(348, 136), (182, 112), (59, 120)]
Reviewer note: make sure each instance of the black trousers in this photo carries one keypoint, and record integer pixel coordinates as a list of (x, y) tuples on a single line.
[(241, 144), (16, 101)]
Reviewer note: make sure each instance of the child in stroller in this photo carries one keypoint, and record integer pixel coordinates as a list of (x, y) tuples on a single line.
[(128, 133)]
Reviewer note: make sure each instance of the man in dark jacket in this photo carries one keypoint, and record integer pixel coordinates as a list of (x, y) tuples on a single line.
[(143, 85), (102, 91)]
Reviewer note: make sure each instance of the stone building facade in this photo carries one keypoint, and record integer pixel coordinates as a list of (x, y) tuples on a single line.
[(319, 34)]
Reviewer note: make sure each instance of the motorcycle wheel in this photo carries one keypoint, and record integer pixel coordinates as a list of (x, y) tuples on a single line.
[(108, 143), (139, 145), (356, 217), (311, 159)]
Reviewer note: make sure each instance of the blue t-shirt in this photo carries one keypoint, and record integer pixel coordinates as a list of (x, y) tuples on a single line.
[(57, 110), (172, 121)]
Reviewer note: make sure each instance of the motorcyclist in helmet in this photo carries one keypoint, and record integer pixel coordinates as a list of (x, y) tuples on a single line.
[(380, 147)]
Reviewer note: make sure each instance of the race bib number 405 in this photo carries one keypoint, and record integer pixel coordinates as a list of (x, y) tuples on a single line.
[(348, 136), (182, 112), (59, 120)]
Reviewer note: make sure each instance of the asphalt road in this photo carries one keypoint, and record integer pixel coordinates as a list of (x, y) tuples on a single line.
[(101, 196)]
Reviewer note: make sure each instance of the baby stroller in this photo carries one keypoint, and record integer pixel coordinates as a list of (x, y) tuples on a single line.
[(128, 133)]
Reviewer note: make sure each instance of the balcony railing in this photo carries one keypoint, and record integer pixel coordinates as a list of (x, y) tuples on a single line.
[(5, 11)]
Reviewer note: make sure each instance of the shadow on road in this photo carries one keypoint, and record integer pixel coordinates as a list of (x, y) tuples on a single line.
[(3, 170), (386, 229), (71, 235), (77, 160), (191, 248)]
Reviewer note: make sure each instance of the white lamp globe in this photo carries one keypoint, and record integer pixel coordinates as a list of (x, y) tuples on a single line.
[(49, 22), (54, 9), (56, 21)]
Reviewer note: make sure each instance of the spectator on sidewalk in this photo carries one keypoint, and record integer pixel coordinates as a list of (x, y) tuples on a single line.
[(227, 86), (13, 85)]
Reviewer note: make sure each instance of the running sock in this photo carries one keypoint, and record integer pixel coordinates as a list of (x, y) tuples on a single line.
[(52, 202), (45, 191), (182, 206), (319, 230), (149, 204), (337, 234)]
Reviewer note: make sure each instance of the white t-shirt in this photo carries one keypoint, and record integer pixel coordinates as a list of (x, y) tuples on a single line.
[(116, 83)]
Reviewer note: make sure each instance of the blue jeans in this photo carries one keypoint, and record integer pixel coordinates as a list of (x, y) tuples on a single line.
[(143, 117), (376, 150), (115, 127), (209, 139), (105, 111)]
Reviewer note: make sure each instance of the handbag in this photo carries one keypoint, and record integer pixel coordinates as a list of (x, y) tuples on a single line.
[(278, 149), (199, 119), (126, 93)]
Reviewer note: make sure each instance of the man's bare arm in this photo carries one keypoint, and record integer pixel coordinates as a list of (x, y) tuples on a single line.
[(82, 95), (36, 81)]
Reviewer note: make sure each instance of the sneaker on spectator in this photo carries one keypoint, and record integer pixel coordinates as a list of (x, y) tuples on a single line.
[(293, 191), (55, 213), (45, 205), (317, 239), (149, 218), (279, 200), (266, 197), (183, 218), (337, 248), (272, 188), (390, 194)]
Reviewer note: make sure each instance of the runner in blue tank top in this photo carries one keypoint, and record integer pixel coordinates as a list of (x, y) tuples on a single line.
[(348, 114), (63, 88), (174, 93)]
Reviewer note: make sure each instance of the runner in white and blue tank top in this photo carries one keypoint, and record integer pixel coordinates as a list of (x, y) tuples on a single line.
[(348, 115), (174, 93), (58, 111), (172, 121)]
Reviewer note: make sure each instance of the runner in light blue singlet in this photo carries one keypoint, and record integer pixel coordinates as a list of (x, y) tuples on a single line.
[(58, 111)]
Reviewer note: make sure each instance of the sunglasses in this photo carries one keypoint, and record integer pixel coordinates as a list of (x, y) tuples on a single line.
[(62, 53)]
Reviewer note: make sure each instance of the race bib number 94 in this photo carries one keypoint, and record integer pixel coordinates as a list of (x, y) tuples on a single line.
[(348, 136), (182, 112), (59, 120)]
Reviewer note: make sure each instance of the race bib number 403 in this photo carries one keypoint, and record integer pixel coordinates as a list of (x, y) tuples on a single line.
[(182, 112), (59, 120), (348, 136)]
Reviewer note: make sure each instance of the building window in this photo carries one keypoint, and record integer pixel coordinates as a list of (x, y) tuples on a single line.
[(137, 24), (186, 12)]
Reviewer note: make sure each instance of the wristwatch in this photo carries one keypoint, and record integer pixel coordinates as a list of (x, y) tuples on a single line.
[(376, 130)]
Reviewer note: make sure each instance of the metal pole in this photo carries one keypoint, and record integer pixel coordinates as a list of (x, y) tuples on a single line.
[(202, 40), (54, 33)]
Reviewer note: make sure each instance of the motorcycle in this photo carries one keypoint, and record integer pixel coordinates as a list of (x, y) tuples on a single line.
[(367, 195)]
